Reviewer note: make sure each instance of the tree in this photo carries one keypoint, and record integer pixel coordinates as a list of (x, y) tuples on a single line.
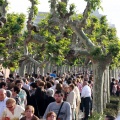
[(34, 44), (10, 37), (101, 45), (63, 38)]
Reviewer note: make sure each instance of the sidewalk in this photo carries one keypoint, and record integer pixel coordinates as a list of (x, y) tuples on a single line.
[(81, 115)]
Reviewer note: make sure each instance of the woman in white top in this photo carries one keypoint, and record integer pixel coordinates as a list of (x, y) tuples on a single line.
[(71, 98), (12, 111)]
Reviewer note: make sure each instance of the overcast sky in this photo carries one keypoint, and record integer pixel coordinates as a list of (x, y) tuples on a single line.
[(111, 8)]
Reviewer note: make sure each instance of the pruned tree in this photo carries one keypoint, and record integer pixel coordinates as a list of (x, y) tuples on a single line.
[(62, 37), (100, 43)]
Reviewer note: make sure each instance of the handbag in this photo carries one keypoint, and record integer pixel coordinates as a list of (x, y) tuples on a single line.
[(59, 111)]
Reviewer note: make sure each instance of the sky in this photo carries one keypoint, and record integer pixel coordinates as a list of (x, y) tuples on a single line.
[(111, 9)]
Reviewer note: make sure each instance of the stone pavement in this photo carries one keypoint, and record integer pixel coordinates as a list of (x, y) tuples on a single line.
[(81, 115)]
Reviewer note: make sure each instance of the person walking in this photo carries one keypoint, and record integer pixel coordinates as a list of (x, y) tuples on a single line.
[(12, 110), (62, 109), (71, 98), (29, 113), (86, 95), (3, 99)]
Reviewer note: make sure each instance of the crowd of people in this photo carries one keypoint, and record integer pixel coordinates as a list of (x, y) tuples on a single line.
[(49, 97)]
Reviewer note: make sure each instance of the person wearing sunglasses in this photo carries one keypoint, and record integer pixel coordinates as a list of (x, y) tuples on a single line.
[(12, 110)]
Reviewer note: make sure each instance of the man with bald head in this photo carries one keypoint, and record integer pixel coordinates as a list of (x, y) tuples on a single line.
[(3, 100)]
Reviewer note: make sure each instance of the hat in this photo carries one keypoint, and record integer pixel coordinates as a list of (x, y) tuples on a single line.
[(50, 92)]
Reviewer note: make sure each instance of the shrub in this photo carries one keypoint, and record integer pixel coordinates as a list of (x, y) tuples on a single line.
[(97, 116), (112, 107)]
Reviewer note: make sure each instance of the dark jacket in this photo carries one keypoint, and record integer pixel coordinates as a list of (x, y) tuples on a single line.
[(33, 118), (28, 95), (39, 102)]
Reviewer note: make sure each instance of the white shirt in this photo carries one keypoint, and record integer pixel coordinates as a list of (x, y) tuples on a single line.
[(86, 91), (26, 86), (71, 98), (17, 112), (77, 93), (2, 106)]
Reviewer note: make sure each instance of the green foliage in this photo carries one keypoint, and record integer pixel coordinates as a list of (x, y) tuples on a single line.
[(57, 42), (95, 4), (56, 47), (1, 2), (12, 47), (103, 36), (112, 107), (114, 48), (103, 20), (36, 2), (62, 7), (76, 17), (96, 52), (35, 10), (97, 116), (14, 25), (71, 8)]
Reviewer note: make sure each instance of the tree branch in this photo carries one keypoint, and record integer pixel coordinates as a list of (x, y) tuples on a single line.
[(53, 6), (40, 64), (38, 39), (4, 35), (79, 52), (80, 33), (85, 15), (87, 61), (65, 1), (3, 8), (108, 61)]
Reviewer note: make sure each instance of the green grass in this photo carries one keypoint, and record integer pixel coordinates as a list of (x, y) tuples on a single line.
[(111, 109)]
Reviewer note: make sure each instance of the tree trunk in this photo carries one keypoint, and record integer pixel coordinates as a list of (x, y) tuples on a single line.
[(28, 68), (105, 89), (22, 69), (108, 85), (98, 70), (42, 71), (104, 103)]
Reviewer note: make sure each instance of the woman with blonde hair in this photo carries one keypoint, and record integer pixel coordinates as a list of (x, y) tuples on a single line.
[(12, 111), (29, 113)]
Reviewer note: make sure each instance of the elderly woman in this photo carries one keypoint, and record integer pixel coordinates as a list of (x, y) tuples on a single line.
[(29, 113), (12, 111), (51, 116)]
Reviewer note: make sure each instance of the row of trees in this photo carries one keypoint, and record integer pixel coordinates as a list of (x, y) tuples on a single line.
[(62, 38)]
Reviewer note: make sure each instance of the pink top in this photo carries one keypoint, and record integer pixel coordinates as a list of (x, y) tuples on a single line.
[(80, 87)]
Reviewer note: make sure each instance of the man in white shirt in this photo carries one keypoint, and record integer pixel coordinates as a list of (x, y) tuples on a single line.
[(3, 100), (86, 95)]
